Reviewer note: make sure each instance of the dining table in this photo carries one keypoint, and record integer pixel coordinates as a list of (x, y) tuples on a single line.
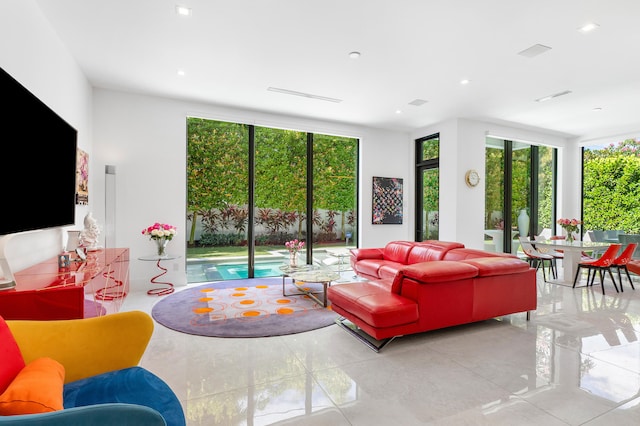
[(572, 255)]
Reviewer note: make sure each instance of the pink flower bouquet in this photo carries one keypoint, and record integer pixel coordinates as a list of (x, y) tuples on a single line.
[(294, 246), (160, 230)]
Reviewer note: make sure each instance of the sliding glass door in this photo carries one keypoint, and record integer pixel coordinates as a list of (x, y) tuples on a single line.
[(494, 227), (519, 193), (251, 189), (335, 182), (217, 199)]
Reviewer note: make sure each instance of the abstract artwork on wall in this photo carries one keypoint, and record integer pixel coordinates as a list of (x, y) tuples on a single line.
[(387, 200), (82, 177)]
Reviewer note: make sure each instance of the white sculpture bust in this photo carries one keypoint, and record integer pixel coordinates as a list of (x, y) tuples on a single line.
[(90, 233)]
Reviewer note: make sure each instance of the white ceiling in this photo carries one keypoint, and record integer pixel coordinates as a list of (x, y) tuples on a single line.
[(232, 51)]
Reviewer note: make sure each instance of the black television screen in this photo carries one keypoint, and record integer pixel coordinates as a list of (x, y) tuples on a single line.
[(38, 178)]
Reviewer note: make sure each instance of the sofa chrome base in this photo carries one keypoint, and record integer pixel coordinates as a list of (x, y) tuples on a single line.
[(355, 331)]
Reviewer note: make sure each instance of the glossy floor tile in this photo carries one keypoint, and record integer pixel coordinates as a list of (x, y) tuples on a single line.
[(576, 362)]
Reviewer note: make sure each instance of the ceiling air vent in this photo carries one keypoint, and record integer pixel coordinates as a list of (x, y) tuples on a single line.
[(535, 50), (417, 102), (555, 95), (304, 95)]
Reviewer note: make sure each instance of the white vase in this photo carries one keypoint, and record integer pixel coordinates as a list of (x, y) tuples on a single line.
[(523, 223)]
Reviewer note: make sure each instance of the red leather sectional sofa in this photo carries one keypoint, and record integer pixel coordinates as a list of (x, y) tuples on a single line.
[(414, 287), (634, 266)]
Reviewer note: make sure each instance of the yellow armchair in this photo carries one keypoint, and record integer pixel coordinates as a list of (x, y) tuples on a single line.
[(86, 347)]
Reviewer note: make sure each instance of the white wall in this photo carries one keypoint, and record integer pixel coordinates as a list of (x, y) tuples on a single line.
[(32, 54), (385, 154), (462, 147), (145, 138)]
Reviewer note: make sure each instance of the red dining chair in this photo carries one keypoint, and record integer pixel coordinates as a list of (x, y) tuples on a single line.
[(622, 261), (600, 265)]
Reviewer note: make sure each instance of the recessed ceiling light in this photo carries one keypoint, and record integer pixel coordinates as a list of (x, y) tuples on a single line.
[(555, 95), (597, 109), (183, 10), (181, 73), (465, 81), (398, 111), (590, 26), (354, 55)]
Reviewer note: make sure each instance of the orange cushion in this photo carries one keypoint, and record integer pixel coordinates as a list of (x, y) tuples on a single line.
[(37, 388), (11, 358)]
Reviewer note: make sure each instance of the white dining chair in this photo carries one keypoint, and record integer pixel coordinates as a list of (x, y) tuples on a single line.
[(535, 256)]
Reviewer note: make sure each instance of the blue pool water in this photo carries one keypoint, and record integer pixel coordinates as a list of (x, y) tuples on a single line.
[(239, 271)]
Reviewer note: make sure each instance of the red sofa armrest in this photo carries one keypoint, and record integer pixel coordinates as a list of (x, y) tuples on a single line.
[(492, 266)]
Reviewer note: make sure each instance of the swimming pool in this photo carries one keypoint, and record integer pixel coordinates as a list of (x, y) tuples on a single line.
[(261, 270), (212, 271)]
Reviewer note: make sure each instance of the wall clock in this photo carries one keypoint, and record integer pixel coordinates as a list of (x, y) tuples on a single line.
[(472, 178)]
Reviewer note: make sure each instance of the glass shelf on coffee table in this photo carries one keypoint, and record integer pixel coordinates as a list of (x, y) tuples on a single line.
[(303, 274), (338, 260)]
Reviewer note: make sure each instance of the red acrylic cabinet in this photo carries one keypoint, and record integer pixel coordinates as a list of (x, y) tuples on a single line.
[(95, 287)]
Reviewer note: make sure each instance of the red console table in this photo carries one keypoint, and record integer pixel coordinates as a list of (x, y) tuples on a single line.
[(91, 288)]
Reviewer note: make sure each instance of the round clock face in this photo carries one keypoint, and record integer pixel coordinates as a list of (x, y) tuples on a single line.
[(472, 178)]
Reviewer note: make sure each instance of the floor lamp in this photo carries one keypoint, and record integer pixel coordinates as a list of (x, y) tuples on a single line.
[(110, 206)]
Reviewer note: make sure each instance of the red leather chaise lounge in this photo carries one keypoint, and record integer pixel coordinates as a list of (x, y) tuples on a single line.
[(414, 287)]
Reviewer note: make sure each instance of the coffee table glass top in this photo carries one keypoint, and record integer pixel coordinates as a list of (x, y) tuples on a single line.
[(310, 273), (315, 275), (288, 269)]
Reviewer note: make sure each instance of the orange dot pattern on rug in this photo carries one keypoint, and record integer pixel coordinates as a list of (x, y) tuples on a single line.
[(251, 303), (204, 310)]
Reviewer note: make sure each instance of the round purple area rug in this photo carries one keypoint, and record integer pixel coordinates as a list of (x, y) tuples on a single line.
[(243, 308)]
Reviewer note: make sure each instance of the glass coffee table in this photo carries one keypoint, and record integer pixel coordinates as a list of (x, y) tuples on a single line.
[(309, 274)]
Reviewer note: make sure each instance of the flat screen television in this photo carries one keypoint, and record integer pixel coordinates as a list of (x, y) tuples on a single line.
[(38, 178)]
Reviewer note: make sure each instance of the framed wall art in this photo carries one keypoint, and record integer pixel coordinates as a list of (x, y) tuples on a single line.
[(82, 177), (387, 200)]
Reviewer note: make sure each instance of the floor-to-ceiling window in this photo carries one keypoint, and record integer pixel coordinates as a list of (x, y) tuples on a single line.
[(519, 192), (251, 189), (217, 197), (611, 189), (427, 188), (335, 181), (545, 167)]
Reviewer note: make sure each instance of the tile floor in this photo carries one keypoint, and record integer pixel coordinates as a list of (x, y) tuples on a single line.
[(576, 362)]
